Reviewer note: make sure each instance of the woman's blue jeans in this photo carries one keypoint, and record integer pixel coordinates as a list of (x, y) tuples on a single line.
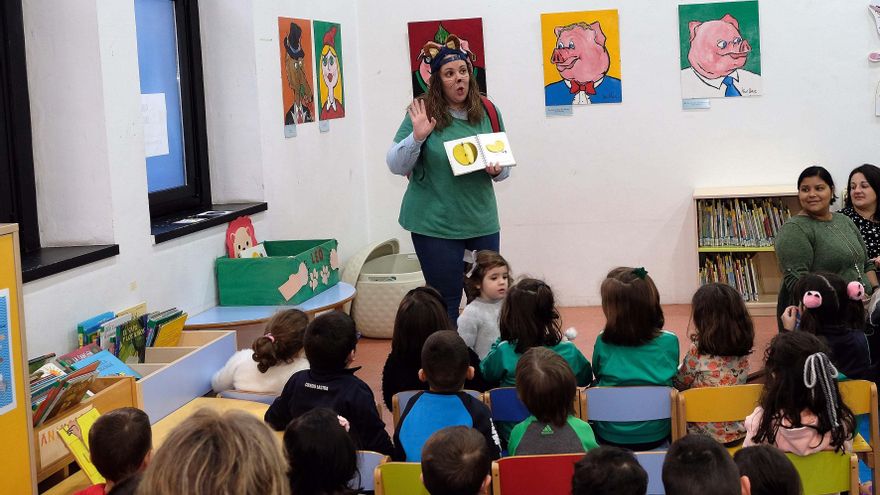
[(443, 264)]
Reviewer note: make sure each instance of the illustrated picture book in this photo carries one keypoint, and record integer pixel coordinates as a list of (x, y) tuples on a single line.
[(474, 153)]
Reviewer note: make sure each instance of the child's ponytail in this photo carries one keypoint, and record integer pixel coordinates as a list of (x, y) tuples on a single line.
[(529, 316), (818, 370), (282, 341)]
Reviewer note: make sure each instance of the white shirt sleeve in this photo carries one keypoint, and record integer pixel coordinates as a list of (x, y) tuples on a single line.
[(401, 157)]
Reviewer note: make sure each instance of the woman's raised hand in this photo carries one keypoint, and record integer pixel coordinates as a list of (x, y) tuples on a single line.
[(422, 123)]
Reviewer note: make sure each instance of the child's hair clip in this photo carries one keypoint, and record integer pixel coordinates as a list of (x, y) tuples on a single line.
[(470, 257), (812, 299), (640, 272), (855, 290)]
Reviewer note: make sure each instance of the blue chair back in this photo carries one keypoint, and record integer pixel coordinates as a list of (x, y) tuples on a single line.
[(265, 398), (628, 403), (652, 462), (506, 406), (367, 463)]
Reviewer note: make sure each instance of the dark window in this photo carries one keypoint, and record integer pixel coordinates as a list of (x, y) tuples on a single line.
[(170, 59), (18, 198)]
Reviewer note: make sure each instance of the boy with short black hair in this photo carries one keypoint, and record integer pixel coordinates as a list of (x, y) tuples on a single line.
[(696, 465), (445, 366), (330, 343), (120, 446), (455, 461), (609, 471)]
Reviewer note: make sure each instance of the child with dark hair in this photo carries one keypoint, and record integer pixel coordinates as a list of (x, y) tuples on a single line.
[(421, 313), (833, 310), (445, 367), (330, 344), (719, 355), (800, 409), (120, 445), (485, 284), (456, 461), (529, 319), (271, 360), (321, 454), (633, 349), (609, 471), (696, 465), (767, 471), (547, 387)]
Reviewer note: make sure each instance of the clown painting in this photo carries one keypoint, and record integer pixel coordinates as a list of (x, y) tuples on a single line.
[(581, 52), (328, 55), (296, 73), (720, 50), (470, 34)]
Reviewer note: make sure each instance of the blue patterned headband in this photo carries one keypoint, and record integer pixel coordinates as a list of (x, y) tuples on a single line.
[(446, 55)]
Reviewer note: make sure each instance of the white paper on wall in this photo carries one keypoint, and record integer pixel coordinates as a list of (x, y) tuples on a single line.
[(155, 124)]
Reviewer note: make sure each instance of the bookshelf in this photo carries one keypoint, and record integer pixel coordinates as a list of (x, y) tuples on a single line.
[(736, 228)]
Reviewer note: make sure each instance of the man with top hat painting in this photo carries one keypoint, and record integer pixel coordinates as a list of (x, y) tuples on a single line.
[(299, 82)]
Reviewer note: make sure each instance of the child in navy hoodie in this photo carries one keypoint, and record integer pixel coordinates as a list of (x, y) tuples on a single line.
[(330, 343)]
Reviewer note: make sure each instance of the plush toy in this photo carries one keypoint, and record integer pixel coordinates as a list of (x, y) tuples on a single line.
[(812, 299), (240, 236)]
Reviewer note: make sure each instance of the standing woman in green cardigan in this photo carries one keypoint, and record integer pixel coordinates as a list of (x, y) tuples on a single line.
[(446, 214), (817, 240)]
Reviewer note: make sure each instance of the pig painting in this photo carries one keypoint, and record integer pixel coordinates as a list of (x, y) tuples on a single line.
[(582, 60), (717, 55)]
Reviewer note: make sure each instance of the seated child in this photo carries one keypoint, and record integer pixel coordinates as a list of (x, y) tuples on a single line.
[(120, 445), (800, 409), (421, 313), (330, 344), (546, 385), (485, 285), (833, 310), (217, 454), (633, 349), (609, 471), (767, 471), (529, 319), (272, 359), (444, 367), (321, 454), (455, 460), (696, 465), (720, 352)]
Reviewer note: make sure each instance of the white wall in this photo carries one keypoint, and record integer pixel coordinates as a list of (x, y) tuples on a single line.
[(611, 185), (250, 158)]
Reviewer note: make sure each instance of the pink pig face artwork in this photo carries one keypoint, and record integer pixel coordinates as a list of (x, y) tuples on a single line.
[(717, 47), (580, 53)]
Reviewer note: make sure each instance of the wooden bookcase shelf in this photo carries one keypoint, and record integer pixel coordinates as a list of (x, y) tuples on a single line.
[(758, 261)]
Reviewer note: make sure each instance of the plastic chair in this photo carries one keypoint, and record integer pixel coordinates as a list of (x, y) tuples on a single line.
[(368, 461), (861, 397), (399, 478), (506, 406), (400, 400), (531, 474), (827, 472), (652, 462), (716, 404), (625, 404), (264, 397)]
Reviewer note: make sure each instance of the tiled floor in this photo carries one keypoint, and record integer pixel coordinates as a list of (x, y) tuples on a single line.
[(588, 321)]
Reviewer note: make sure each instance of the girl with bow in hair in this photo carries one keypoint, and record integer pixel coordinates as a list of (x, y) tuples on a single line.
[(800, 410), (485, 284)]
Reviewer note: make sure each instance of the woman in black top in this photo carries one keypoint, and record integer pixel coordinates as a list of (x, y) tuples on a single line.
[(861, 206)]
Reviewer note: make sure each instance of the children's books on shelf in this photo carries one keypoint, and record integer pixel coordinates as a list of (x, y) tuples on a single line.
[(67, 391), (108, 365), (740, 222)]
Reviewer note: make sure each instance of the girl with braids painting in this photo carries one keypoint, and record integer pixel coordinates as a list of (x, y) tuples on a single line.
[(800, 410)]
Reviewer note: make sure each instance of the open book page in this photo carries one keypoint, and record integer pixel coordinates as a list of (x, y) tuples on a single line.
[(474, 153)]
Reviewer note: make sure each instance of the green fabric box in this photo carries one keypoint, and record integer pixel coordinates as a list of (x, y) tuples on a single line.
[(293, 272)]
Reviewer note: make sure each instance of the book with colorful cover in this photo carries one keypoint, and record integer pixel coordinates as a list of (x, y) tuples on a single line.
[(107, 365), (131, 338), (157, 319), (108, 332), (76, 438), (86, 330), (68, 390), (168, 334), (85, 351)]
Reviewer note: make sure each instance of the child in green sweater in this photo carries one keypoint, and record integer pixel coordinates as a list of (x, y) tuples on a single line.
[(633, 350), (546, 385)]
